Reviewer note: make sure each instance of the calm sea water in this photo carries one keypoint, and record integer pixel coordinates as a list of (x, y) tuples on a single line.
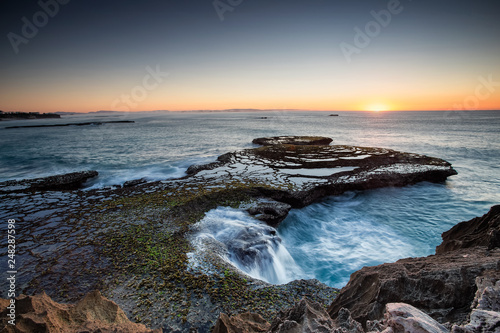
[(330, 239)]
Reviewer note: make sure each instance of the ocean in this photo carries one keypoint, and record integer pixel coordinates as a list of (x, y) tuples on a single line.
[(328, 240)]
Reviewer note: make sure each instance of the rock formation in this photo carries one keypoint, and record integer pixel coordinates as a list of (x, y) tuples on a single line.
[(305, 316), (242, 323), (299, 174), (292, 140), (94, 313), (480, 231), (401, 317), (68, 181)]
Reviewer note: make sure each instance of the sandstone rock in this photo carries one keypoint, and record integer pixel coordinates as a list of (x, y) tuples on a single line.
[(443, 285), (485, 315), (242, 323), (346, 324), (484, 321), (94, 313), (404, 318), (292, 140), (480, 231), (305, 316)]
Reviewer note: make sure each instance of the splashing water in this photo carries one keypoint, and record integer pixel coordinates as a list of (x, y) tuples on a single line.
[(252, 246)]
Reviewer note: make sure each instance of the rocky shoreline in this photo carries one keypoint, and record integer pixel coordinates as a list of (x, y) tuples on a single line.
[(132, 243)]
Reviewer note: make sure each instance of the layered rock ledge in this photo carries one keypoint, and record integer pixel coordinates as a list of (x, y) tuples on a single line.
[(68, 181), (300, 174)]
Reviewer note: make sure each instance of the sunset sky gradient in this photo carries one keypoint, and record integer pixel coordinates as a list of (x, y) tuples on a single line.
[(432, 55)]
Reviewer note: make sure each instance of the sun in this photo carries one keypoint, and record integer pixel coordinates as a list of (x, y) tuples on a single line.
[(377, 107)]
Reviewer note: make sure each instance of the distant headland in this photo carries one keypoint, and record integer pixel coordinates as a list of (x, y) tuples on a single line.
[(17, 115)]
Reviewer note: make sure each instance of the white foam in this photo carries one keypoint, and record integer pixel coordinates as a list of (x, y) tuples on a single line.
[(251, 245)]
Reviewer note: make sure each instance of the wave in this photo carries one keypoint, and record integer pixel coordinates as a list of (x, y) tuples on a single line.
[(250, 245)]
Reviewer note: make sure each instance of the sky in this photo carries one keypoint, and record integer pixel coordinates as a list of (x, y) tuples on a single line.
[(81, 56)]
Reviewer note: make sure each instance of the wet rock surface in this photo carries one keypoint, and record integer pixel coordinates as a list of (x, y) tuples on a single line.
[(132, 243), (68, 181), (270, 211), (304, 174), (293, 140)]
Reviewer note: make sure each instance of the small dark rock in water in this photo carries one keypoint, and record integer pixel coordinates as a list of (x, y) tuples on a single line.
[(293, 140), (269, 211), (135, 182), (68, 181), (333, 115)]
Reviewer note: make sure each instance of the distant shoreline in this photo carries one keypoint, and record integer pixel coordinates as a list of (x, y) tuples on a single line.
[(77, 124), (27, 115)]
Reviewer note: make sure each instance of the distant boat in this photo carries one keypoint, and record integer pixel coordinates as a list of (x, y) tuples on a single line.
[(333, 115)]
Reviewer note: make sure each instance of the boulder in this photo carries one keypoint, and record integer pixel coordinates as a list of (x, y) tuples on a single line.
[(404, 318), (94, 313), (270, 211), (242, 323), (485, 315), (480, 231), (346, 324), (305, 316), (292, 140)]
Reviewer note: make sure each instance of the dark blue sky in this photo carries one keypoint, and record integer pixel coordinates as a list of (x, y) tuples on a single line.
[(264, 54)]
